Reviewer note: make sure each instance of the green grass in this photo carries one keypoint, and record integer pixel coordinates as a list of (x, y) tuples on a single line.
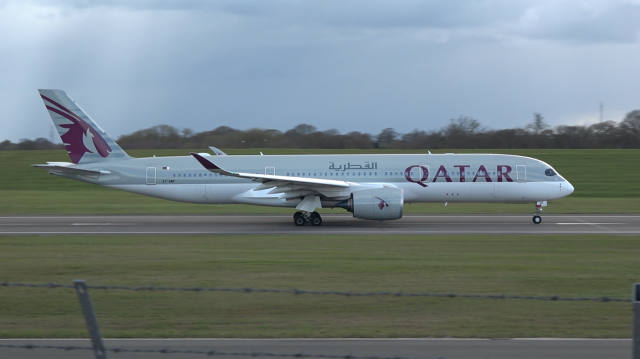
[(526, 265), (605, 182)]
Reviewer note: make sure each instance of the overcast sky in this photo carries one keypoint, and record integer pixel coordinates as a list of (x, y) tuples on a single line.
[(349, 65)]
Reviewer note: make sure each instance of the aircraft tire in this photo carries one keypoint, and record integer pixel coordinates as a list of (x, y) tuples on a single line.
[(537, 219), (298, 219), (315, 219)]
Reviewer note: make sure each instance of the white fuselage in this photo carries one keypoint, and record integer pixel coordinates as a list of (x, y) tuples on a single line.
[(423, 178)]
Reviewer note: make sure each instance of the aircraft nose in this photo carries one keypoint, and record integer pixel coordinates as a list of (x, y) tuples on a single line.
[(567, 188)]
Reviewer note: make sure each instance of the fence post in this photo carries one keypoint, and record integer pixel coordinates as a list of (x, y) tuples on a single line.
[(636, 320), (90, 318)]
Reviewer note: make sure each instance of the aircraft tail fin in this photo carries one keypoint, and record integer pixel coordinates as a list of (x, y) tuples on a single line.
[(83, 138)]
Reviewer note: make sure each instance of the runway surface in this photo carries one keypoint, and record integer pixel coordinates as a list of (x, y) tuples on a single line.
[(333, 224), (409, 348)]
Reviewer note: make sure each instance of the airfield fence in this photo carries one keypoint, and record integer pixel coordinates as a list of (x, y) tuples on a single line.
[(82, 290)]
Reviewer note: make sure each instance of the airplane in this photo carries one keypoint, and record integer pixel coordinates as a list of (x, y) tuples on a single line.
[(370, 186)]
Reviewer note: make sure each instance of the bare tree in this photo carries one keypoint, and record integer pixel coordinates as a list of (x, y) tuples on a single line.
[(538, 125), (387, 136), (463, 125), (631, 122), (304, 129)]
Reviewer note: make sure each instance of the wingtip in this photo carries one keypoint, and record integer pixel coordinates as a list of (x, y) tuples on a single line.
[(205, 162)]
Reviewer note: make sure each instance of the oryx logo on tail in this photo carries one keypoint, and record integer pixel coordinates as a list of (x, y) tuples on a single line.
[(80, 138)]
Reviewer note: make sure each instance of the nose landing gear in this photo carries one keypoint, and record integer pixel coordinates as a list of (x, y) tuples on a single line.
[(537, 219), (302, 218)]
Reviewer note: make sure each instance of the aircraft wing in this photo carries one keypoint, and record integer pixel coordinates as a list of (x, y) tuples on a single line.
[(280, 184), (69, 168)]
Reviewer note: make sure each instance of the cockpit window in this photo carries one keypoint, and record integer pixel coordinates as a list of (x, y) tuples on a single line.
[(550, 172)]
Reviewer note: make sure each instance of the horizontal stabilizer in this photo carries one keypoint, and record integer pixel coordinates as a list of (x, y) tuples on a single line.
[(69, 168)]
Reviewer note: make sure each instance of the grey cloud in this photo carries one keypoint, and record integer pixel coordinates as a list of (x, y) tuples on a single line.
[(349, 65), (582, 21)]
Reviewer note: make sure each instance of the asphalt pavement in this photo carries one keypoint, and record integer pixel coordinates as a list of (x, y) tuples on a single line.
[(333, 224)]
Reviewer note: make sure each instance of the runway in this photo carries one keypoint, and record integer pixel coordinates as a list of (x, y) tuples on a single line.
[(333, 224), (408, 348)]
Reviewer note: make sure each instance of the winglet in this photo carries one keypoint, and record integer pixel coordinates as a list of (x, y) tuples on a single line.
[(217, 151)]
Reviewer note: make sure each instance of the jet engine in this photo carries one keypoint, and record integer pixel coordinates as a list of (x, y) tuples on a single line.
[(378, 204)]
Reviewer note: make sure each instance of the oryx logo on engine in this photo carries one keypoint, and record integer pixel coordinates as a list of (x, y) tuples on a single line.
[(382, 203)]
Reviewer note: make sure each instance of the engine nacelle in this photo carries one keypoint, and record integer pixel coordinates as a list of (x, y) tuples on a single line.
[(378, 204)]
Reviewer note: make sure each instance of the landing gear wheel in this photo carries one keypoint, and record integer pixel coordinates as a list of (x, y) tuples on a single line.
[(537, 219), (298, 219), (315, 219)]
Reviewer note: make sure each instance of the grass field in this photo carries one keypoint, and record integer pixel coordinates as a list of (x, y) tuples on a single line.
[(605, 182), (525, 265)]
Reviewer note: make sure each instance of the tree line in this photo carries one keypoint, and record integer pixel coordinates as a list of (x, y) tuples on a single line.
[(462, 132)]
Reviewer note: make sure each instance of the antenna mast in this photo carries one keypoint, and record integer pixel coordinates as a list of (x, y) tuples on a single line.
[(601, 111)]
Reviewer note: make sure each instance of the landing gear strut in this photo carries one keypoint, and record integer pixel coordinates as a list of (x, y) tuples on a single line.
[(537, 219), (302, 218)]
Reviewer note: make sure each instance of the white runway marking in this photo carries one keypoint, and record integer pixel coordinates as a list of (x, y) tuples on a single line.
[(590, 223), (333, 225)]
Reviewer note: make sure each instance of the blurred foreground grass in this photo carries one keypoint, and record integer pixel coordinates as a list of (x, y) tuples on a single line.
[(563, 265)]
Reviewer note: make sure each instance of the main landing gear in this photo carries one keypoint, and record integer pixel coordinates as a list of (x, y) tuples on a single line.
[(302, 218), (537, 219)]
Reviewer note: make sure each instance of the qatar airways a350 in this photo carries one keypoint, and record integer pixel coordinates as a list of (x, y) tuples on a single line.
[(371, 186)]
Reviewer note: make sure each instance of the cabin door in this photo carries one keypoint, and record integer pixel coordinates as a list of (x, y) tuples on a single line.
[(521, 173), (151, 175), (270, 170)]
